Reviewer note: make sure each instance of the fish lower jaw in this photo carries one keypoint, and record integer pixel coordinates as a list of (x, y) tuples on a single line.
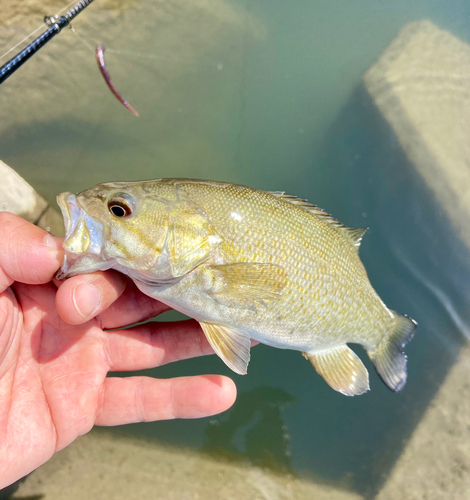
[(85, 264)]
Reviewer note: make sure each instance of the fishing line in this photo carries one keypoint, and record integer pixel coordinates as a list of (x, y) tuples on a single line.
[(216, 65), (83, 40), (41, 26), (24, 40), (441, 297), (117, 51), (99, 54), (55, 25)]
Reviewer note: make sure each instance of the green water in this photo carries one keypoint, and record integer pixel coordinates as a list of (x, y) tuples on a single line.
[(284, 110)]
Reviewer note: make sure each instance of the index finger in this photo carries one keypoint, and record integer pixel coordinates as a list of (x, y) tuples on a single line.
[(28, 254), (110, 296)]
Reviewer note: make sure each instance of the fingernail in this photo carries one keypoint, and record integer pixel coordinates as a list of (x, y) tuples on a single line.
[(53, 242), (86, 298)]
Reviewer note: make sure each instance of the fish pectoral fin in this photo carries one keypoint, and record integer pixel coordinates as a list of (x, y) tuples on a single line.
[(244, 282), (342, 370), (232, 346)]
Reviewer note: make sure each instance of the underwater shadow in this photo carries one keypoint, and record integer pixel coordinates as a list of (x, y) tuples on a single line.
[(257, 421), (9, 491)]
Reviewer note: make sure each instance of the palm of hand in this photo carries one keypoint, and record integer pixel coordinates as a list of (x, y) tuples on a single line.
[(53, 374)]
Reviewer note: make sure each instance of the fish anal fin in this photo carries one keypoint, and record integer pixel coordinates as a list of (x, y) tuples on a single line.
[(342, 369), (354, 235), (389, 359), (232, 346)]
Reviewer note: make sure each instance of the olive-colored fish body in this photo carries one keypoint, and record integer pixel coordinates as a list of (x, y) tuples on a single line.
[(247, 264)]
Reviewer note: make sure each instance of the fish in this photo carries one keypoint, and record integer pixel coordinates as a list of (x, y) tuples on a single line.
[(246, 264)]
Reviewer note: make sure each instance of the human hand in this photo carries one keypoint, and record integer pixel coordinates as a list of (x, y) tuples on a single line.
[(55, 354)]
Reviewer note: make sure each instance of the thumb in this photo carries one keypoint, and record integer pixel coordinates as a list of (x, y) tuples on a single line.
[(27, 254)]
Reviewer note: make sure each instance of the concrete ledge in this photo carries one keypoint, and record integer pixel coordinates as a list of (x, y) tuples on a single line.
[(104, 466), (436, 462), (18, 197)]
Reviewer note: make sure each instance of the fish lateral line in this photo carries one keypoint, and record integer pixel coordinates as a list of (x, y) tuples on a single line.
[(107, 78)]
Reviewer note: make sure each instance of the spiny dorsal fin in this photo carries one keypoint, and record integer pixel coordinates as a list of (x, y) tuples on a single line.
[(355, 235)]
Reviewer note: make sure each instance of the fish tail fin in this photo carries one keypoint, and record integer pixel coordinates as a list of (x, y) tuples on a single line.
[(388, 358)]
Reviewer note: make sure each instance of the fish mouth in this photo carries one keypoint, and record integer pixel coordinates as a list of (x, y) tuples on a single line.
[(83, 242)]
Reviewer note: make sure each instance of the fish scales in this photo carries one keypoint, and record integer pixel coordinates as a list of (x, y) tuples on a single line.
[(291, 240), (246, 264)]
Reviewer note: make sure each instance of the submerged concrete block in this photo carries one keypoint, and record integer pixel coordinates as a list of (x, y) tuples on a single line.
[(421, 86)]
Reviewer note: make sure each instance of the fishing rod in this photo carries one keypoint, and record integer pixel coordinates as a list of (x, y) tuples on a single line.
[(55, 23)]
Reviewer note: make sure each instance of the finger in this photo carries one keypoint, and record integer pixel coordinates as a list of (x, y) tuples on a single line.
[(155, 344), (10, 325), (111, 295), (27, 254), (144, 399), (131, 307), (83, 297)]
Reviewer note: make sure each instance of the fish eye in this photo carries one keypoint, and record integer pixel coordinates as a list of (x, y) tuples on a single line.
[(120, 206)]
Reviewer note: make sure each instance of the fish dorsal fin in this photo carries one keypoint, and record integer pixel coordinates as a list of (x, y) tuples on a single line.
[(355, 235)]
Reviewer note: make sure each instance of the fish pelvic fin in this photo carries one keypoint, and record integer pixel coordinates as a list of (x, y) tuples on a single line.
[(388, 358), (232, 346), (342, 369)]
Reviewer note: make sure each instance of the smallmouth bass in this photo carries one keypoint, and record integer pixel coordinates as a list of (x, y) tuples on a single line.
[(246, 264)]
